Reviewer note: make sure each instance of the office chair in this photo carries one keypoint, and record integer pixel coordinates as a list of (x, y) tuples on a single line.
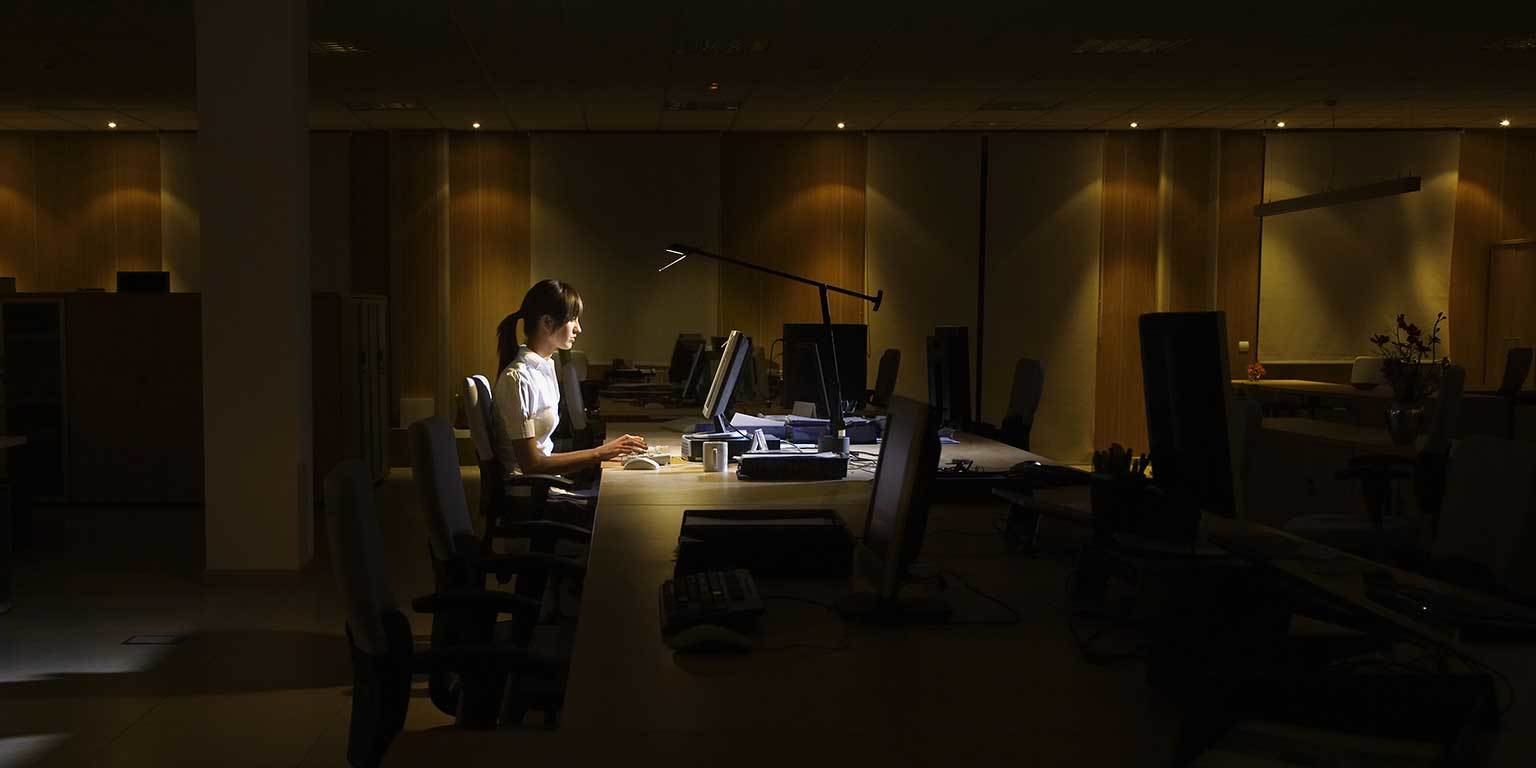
[(885, 378), (1367, 372), (1023, 401), (579, 428), (459, 557), (1517, 366), (383, 654), (523, 498), (1379, 532), (1487, 524)]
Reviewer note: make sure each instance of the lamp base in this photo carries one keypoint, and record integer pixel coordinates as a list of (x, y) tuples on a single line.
[(830, 443)]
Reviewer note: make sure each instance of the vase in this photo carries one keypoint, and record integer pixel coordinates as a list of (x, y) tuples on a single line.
[(1404, 421)]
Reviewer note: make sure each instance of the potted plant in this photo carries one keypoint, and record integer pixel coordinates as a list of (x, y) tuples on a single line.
[(1410, 366)]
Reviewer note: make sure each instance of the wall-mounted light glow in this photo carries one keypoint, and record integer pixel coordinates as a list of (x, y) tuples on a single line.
[(713, 87), (1133, 125), (841, 125), (1504, 122), (475, 126), (111, 125), (1280, 124)]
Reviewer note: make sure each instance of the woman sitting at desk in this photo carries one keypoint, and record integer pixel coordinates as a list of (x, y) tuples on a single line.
[(527, 392)]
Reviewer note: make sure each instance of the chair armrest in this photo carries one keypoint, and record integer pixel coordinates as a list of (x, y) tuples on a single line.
[(1024, 502), (540, 528), (506, 565), (491, 657), (476, 599), (539, 481)]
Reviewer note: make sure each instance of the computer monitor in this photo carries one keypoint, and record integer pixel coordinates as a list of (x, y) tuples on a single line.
[(897, 519), (804, 342), (1188, 392), (949, 376), (685, 355), (717, 404)]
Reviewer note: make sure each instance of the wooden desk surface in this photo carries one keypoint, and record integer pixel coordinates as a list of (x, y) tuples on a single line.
[(1312, 389), (1368, 439), (623, 677)]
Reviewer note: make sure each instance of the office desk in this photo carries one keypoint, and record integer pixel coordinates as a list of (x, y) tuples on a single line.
[(1353, 436), (1339, 579), (918, 693), (1311, 389)]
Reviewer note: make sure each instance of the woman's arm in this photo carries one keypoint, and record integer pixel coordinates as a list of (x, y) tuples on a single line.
[(533, 461)]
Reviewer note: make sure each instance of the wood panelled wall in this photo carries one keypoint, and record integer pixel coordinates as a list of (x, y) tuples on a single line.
[(488, 245), (77, 207), (1240, 186), (794, 202), (1127, 284), (418, 267), (458, 255), (1186, 265), (1491, 306)]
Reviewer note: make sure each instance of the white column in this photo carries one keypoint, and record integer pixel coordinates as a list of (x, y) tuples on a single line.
[(253, 190)]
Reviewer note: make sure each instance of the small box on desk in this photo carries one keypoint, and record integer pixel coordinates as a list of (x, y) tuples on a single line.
[(787, 543)]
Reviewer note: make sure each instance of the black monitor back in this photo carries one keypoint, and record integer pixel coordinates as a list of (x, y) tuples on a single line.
[(949, 376), (143, 282), (685, 354), (898, 505), (800, 382), (1188, 396)]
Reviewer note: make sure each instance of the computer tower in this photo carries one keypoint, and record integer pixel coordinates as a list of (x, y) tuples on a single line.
[(949, 376)]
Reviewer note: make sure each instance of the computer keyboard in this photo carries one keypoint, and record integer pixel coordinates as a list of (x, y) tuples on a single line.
[(661, 454), (728, 598)]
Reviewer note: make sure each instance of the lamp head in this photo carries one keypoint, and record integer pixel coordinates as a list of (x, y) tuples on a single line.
[(678, 250)]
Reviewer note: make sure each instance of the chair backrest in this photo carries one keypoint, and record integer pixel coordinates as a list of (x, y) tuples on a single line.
[(1444, 422), (357, 555), (480, 415), (1489, 516), (1367, 371), (1028, 384), (1243, 428), (579, 364), (435, 464), (1517, 366), (573, 405), (885, 377)]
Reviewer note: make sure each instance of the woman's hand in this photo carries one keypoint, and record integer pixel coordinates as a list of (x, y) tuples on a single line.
[(621, 445)]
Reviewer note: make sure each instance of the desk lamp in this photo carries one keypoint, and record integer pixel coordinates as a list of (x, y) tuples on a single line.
[(836, 438)]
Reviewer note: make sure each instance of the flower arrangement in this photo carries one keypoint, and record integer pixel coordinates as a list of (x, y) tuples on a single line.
[(1409, 360), (1256, 371)]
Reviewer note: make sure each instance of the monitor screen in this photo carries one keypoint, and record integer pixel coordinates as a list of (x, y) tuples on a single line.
[(799, 363), (1188, 394), (898, 507), (737, 346)]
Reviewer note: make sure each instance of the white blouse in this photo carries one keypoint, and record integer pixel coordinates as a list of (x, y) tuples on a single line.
[(527, 398)]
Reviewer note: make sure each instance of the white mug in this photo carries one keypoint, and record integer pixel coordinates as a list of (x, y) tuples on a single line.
[(716, 456)]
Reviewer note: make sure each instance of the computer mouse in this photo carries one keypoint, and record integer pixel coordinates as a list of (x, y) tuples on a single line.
[(709, 638), (641, 462)]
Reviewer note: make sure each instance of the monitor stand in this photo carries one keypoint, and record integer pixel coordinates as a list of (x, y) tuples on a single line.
[(870, 608)]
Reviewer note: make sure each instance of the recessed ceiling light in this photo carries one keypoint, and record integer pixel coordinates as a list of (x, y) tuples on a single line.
[(1133, 125), (841, 125), (111, 125), (1280, 124), (475, 126), (1504, 122)]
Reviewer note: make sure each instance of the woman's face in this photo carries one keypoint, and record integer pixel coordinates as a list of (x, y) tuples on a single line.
[(564, 336)]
